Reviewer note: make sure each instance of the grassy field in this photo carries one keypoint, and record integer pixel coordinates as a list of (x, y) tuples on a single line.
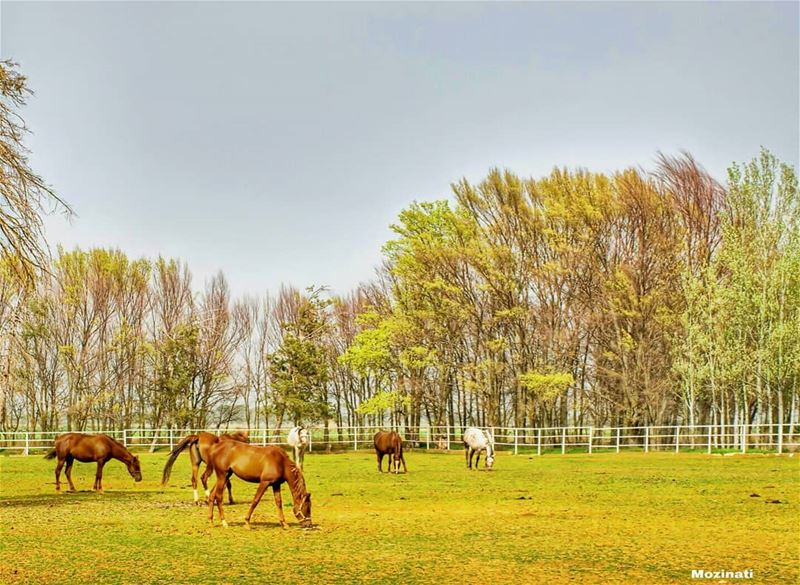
[(601, 518)]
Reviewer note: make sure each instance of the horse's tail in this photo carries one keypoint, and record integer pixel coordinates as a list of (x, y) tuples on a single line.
[(51, 454), (190, 440)]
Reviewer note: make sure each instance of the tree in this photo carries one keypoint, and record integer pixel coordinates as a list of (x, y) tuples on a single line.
[(299, 366), (23, 193)]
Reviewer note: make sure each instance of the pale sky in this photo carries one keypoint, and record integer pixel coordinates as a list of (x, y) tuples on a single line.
[(277, 142)]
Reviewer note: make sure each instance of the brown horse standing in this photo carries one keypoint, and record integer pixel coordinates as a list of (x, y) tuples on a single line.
[(266, 466), (88, 448), (391, 444), (199, 446)]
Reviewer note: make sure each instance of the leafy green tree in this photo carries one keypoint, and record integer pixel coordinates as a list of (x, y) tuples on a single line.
[(299, 367)]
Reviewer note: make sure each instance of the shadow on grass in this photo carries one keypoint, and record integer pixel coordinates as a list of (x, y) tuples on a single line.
[(263, 525), (71, 498)]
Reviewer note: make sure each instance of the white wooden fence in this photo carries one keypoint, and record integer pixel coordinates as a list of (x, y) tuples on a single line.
[(587, 439)]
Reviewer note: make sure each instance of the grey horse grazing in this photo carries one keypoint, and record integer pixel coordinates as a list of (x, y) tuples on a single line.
[(475, 441), (298, 440)]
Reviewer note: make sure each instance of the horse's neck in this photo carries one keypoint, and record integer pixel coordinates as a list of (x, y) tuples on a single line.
[(121, 453), (296, 483), (489, 443)]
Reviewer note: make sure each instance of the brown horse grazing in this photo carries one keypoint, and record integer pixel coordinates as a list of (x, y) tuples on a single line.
[(266, 466), (199, 445), (391, 444), (88, 448)]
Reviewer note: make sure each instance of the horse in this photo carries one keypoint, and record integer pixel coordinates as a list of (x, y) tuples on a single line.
[(298, 440), (266, 466), (391, 444), (475, 441), (88, 448), (199, 446)]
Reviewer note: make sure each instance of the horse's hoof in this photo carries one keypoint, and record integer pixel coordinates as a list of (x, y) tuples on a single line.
[(247, 525), (284, 525), (224, 524)]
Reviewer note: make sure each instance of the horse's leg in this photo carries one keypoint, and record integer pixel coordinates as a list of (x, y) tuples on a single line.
[(211, 505), (478, 460), (380, 461), (262, 487), (276, 491), (228, 483), (466, 456), (195, 466), (59, 465), (68, 473), (204, 479), (216, 497), (98, 478), (403, 459)]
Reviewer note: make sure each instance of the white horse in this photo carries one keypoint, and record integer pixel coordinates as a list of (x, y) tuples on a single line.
[(475, 441), (298, 441)]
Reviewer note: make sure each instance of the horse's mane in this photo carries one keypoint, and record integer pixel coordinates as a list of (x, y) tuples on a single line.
[(297, 482), (117, 443)]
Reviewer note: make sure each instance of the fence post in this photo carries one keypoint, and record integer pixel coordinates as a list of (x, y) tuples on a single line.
[(516, 441), (709, 438), (646, 439), (744, 437), (355, 438), (563, 440), (539, 441), (780, 437), (677, 437), (125, 437), (310, 437), (590, 440), (428, 438), (264, 432), (618, 439), (27, 443)]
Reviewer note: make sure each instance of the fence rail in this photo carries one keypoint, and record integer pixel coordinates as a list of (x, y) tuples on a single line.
[(708, 438)]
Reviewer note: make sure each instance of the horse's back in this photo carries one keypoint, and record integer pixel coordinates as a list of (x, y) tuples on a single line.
[(380, 440), (475, 438), (388, 441), (83, 447), (252, 463)]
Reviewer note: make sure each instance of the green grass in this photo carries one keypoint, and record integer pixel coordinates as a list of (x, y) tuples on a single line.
[(601, 518)]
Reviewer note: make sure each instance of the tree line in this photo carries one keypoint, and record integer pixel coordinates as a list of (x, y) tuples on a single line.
[(579, 298)]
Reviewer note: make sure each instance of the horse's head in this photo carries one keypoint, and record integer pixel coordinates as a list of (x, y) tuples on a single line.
[(302, 511), (489, 461), (135, 469)]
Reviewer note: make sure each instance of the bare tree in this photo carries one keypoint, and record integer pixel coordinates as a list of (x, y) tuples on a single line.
[(23, 194)]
